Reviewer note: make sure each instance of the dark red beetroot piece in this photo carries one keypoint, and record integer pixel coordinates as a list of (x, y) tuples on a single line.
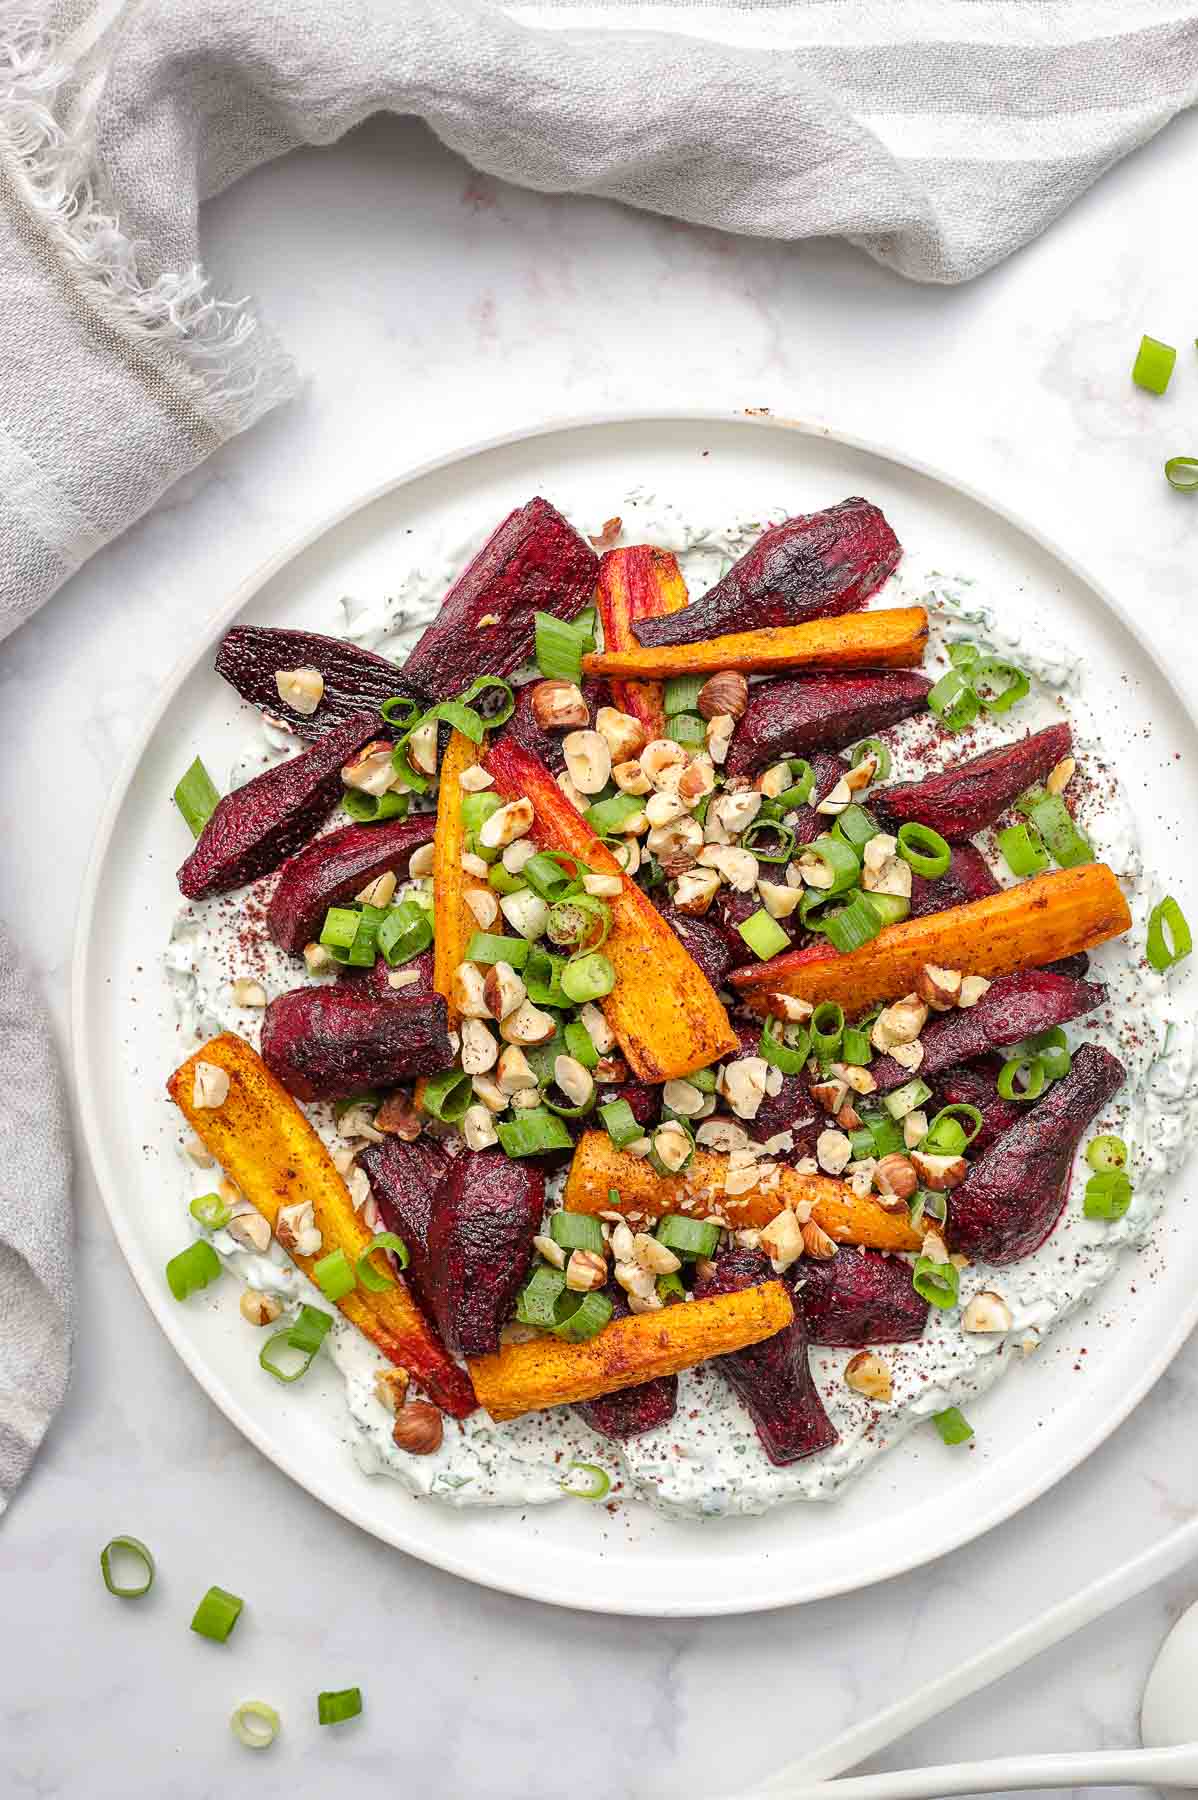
[(355, 680), (967, 878), (375, 980), (533, 562), (336, 867), (976, 1084), (790, 1109), (325, 1043), (546, 746), (860, 1297), (1013, 1007), (968, 796), (828, 770), (820, 712), (706, 942), (773, 1378), (259, 825), (1013, 1195), (805, 568), (632, 1411), (484, 1216), (404, 1176)]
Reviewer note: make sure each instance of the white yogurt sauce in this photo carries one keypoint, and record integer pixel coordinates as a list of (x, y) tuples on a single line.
[(707, 1462)]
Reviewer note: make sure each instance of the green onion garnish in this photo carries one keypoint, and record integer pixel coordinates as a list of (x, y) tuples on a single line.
[(1022, 1078), (682, 694), (926, 851), (340, 927), (1169, 938), (478, 808), (963, 656), (447, 1096), (779, 843), (938, 1283), (671, 1288), (1068, 846), (906, 1098), (459, 714), (856, 825), (588, 977), (688, 1238), (942, 1141), (582, 1316), (803, 784), (305, 1337), (763, 934), (532, 1133), (333, 1708), (954, 701), (886, 1132), (1106, 1154), (560, 647), (543, 977), (553, 877), (125, 1546), (851, 924), (372, 1279), (576, 1231), (581, 923), (580, 1044), (334, 1275), (953, 1426), (407, 931), (502, 882), (877, 749), (703, 1079), (211, 1211), (856, 1048), (997, 684), (786, 1046), (192, 1269), (399, 710), (372, 809), (839, 858), (686, 728), (1023, 848), (827, 1028), (610, 816), (1052, 1048), (486, 948), (351, 933), (890, 908), (255, 1724), (537, 1301), (595, 1484), (1153, 366), (620, 1123), (310, 1329), (1108, 1195), (217, 1614), (1181, 472), (196, 797)]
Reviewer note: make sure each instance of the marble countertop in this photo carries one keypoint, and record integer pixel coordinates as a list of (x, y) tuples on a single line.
[(429, 308)]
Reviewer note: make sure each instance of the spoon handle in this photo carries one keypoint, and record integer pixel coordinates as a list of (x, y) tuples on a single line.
[(893, 1722), (1009, 1774)]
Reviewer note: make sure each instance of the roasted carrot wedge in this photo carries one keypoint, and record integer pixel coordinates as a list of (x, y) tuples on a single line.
[(663, 1009), (455, 922), (599, 1168), (1023, 927), (640, 582), (524, 1377), (895, 637), (265, 1145)]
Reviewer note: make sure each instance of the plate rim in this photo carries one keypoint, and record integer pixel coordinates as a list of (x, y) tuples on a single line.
[(799, 1588)]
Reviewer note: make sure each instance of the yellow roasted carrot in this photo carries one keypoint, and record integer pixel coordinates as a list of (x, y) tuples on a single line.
[(639, 582), (266, 1146), (1023, 927), (524, 1377), (600, 1171), (455, 922), (894, 637)]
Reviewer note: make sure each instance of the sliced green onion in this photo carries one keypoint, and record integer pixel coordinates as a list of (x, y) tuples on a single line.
[(595, 1485), (127, 1546), (671, 1288), (560, 647), (1169, 938), (334, 1275), (927, 1205), (196, 797), (582, 922), (1052, 1048), (447, 1096), (495, 713), (532, 1133), (192, 1269), (907, 1098), (217, 1614), (999, 685), (372, 1279), (399, 710), (1106, 1154), (856, 825), (862, 1142), (543, 977), (335, 1706), (783, 848), (542, 1058), (407, 931), (255, 1724), (304, 1337), (949, 1139), (763, 934), (211, 1211), (871, 747), (372, 809), (840, 859), (787, 1047), (926, 851), (310, 1329), (502, 882), (553, 877), (609, 817), (564, 1108), (1108, 1195), (953, 1426), (1068, 846), (1181, 472), (890, 908), (537, 1301), (588, 977), (1153, 366), (620, 1123), (576, 1231), (682, 694), (687, 1238), (340, 927), (580, 1044), (359, 949), (686, 728), (847, 927), (963, 656), (1022, 1078), (703, 1079), (941, 1141), (938, 1283), (856, 1048), (827, 1028), (885, 1131), (478, 808), (486, 948), (953, 701), (583, 1316), (1023, 848)]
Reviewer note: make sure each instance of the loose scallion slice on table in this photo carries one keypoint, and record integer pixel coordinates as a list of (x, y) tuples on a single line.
[(1181, 472), (953, 1426), (196, 797), (763, 934), (953, 701), (936, 1282), (372, 1279), (926, 851), (211, 1211), (851, 923), (586, 1481), (1023, 848), (620, 1123), (839, 859), (686, 1237), (126, 1549), (877, 749), (576, 1231), (1107, 1153), (787, 1047), (561, 645), (1169, 937), (826, 1026), (334, 1275), (372, 809), (255, 1724), (447, 1096), (1068, 846), (192, 1269), (1108, 1195), (335, 1706), (217, 1614), (588, 977), (1153, 367), (532, 1133), (1022, 1078), (682, 694)]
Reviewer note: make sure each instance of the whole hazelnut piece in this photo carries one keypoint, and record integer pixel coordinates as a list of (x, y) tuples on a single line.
[(418, 1428), (725, 694)]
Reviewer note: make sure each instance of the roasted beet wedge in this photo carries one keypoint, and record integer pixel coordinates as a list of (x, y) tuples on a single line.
[(968, 796), (259, 825), (773, 1378), (790, 1109), (806, 568), (336, 867), (534, 562), (820, 712), (1013, 1007), (376, 980), (325, 1043), (860, 1297), (631, 1411), (404, 1176), (1013, 1195), (355, 680), (828, 770), (484, 1217), (967, 878), (546, 746), (707, 943), (976, 1084)]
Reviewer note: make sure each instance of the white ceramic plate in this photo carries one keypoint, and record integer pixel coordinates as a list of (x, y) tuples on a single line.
[(1031, 1429)]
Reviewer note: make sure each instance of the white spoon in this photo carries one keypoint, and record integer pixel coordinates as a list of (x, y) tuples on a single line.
[(1169, 1721)]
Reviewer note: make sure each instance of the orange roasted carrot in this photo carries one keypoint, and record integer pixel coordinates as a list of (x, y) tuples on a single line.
[(266, 1146), (640, 582), (894, 637), (455, 922), (1022, 927), (599, 1168), (547, 1372), (663, 1009)]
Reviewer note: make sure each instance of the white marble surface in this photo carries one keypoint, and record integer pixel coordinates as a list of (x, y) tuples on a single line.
[(431, 308)]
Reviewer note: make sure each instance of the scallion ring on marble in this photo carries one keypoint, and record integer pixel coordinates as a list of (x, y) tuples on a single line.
[(126, 1547), (255, 1724), (1181, 472)]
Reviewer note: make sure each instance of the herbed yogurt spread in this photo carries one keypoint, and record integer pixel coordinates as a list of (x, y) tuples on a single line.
[(707, 1462)]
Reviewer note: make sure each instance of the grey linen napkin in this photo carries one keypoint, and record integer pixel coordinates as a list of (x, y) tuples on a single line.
[(937, 135)]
